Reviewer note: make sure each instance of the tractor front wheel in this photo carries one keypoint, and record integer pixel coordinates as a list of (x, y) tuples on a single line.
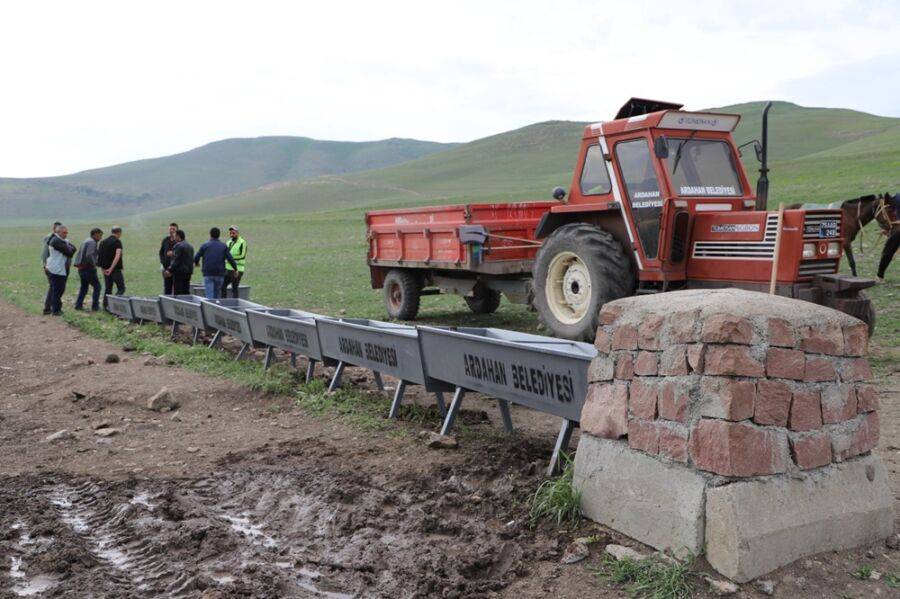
[(578, 269), (402, 292)]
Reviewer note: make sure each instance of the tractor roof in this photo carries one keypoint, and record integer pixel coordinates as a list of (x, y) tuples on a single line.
[(639, 113)]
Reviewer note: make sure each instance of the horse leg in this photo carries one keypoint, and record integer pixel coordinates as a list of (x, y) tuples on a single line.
[(887, 253), (848, 250)]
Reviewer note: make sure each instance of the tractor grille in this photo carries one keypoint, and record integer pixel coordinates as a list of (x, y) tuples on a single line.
[(741, 250), (821, 225), (809, 268)]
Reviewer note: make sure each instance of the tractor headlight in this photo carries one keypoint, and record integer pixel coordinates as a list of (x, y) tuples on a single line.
[(809, 250), (834, 249)]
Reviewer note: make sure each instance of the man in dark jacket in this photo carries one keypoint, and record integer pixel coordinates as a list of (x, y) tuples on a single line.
[(214, 254), (166, 249), (109, 258), (181, 266), (45, 253), (86, 263), (59, 258)]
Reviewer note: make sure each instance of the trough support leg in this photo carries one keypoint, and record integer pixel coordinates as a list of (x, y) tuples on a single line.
[(378, 380), (310, 369), (453, 411), (507, 417), (562, 443), (141, 322), (267, 361), (241, 352), (215, 339), (439, 397), (336, 379), (293, 360), (398, 398), (174, 328), (196, 336)]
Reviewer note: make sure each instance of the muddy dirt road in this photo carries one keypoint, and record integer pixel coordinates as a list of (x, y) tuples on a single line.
[(237, 494)]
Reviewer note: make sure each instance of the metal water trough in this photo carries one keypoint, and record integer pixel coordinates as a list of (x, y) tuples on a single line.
[(293, 331), (229, 316), (120, 305), (542, 373), (184, 309), (243, 291), (148, 308), (382, 347)]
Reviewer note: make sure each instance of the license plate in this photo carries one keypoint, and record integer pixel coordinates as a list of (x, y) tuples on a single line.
[(828, 229)]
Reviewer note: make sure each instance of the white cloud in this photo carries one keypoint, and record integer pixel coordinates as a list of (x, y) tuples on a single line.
[(94, 83)]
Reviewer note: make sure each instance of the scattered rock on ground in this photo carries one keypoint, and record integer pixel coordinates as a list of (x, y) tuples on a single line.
[(101, 424), (76, 395), (112, 358), (622, 552), (575, 552), (893, 541), (128, 346), (766, 587), (162, 401), (722, 588), (342, 311), (63, 435), (155, 361), (192, 449), (439, 441), (107, 432)]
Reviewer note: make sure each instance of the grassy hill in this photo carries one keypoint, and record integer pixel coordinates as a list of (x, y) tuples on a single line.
[(216, 169), (816, 154)]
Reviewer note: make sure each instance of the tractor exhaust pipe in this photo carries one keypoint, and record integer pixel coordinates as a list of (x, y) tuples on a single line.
[(762, 185)]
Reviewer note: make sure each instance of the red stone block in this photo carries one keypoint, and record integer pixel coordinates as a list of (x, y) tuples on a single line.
[(673, 442), (773, 402), (625, 337), (643, 435), (726, 328), (603, 342), (781, 333), (811, 451), (819, 369), (785, 363), (682, 326), (673, 402), (806, 411), (673, 361), (856, 339), (609, 313), (650, 332), (855, 370), (824, 338), (728, 398), (642, 399), (624, 366), (866, 399), (838, 403), (861, 438), (695, 355), (646, 363), (732, 360), (737, 449), (605, 411)]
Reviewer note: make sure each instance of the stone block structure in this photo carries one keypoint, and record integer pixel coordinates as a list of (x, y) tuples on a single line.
[(735, 423)]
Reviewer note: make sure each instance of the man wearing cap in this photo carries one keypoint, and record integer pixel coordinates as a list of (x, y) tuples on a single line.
[(237, 247)]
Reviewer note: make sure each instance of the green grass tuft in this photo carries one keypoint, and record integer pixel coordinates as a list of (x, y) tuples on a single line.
[(557, 500), (864, 572), (650, 578)]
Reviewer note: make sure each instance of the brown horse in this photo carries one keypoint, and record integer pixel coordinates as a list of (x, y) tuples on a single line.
[(857, 213), (886, 214)]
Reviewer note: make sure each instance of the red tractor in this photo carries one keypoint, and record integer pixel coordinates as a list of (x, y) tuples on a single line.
[(659, 201)]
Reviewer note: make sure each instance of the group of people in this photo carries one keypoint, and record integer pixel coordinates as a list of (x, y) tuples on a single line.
[(223, 264)]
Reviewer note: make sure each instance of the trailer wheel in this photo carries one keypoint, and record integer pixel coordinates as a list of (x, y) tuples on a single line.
[(402, 291), (483, 300), (578, 269)]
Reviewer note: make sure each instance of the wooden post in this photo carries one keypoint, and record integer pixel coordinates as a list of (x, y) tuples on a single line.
[(777, 252)]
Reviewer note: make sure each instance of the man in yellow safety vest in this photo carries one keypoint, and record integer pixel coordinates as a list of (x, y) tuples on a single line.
[(238, 248)]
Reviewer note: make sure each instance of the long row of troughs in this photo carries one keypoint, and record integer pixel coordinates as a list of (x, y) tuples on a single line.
[(542, 373)]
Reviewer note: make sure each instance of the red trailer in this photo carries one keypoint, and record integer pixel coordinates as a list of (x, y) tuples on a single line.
[(659, 201)]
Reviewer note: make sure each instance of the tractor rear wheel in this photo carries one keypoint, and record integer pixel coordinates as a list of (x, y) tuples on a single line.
[(402, 292), (578, 269), (483, 300)]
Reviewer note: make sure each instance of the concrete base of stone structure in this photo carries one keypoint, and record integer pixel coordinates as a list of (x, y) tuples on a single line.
[(746, 528)]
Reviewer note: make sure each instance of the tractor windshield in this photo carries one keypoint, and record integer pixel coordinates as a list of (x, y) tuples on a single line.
[(702, 167)]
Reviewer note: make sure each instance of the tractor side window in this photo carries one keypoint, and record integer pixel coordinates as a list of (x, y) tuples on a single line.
[(642, 191), (594, 176)]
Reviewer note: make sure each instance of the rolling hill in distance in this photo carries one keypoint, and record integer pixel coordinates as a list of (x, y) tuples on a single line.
[(216, 169), (816, 155)]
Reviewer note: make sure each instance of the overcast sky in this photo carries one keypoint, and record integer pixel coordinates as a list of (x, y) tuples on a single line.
[(89, 84)]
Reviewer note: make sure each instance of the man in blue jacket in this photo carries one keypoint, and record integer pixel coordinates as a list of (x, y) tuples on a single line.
[(214, 254)]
